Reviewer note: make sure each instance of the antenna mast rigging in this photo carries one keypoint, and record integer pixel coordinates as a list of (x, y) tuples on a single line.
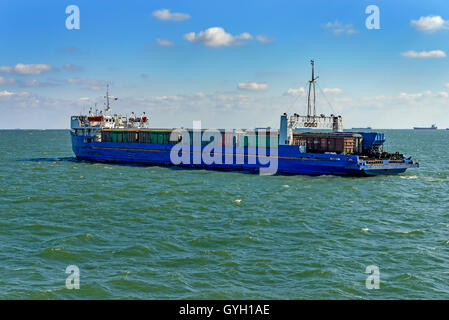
[(107, 98), (312, 83)]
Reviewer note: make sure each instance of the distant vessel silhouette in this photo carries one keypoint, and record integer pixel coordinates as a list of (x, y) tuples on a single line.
[(432, 127), (366, 128)]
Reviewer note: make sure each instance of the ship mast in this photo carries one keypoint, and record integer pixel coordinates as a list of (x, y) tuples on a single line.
[(107, 98), (312, 85)]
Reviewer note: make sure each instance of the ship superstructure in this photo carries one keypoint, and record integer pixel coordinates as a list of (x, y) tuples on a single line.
[(92, 124)]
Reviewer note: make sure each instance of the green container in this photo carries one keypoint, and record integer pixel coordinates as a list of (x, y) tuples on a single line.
[(252, 141)]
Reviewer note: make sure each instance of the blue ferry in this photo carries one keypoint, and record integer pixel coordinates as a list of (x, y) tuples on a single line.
[(311, 145)]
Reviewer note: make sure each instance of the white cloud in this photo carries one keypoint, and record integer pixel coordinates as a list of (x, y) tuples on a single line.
[(447, 85), (229, 101), (22, 99), (72, 67), (424, 54), (252, 86), (333, 90), (346, 99), (165, 43), (171, 101), (4, 80), (90, 84), (29, 83), (74, 80), (426, 98), (244, 36), (430, 23), (422, 95), (41, 84), (200, 100), (264, 39), (165, 14), (168, 98), (172, 108), (379, 101), (377, 98), (26, 69), (338, 28), (217, 37), (410, 96), (296, 92), (8, 94)]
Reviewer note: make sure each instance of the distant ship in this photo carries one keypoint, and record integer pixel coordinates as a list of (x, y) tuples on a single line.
[(367, 128), (106, 137), (432, 127)]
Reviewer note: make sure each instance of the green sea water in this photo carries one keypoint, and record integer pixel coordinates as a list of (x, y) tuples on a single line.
[(139, 232)]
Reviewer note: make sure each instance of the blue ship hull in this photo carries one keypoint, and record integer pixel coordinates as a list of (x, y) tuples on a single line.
[(289, 159)]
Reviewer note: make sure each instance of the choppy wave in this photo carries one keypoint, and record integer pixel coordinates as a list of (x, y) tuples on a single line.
[(140, 232)]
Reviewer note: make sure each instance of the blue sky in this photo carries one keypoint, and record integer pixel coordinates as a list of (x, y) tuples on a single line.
[(242, 74)]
